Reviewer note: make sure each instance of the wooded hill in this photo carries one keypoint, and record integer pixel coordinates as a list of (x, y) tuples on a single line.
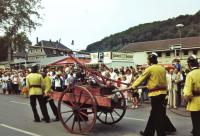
[(157, 30)]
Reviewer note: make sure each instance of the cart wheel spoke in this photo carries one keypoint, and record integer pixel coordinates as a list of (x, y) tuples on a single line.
[(68, 105), (116, 112), (73, 123), (72, 102), (74, 96), (83, 119), (79, 124), (106, 118), (69, 118), (73, 105), (79, 99), (84, 102), (100, 115), (112, 117), (66, 111), (83, 114)]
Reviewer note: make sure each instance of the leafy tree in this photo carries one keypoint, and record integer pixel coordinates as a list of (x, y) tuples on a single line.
[(19, 14), (150, 31), (21, 41), (16, 16)]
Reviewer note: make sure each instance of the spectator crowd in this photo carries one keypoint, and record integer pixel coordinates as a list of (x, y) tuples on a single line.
[(14, 81)]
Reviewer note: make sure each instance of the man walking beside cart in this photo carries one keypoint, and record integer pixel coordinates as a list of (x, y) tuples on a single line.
[(155, 75)]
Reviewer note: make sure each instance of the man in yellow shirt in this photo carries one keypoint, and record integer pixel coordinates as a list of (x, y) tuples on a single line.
[(35, 83), (47, 91), (192, 93), (155, 75)]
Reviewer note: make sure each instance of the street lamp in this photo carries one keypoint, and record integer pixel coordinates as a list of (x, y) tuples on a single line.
[(179, 26)]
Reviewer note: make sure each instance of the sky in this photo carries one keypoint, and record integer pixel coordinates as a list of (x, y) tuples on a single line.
[(88, 21)]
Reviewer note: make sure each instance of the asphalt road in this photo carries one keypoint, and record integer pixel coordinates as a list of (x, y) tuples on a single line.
[(16, 119)]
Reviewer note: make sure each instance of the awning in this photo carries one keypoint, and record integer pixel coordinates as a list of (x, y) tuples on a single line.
[(69, 60)]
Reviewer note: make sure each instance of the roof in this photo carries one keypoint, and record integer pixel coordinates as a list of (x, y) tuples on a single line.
[(188, 42), (52, 44), (49, 60), (68, 60)]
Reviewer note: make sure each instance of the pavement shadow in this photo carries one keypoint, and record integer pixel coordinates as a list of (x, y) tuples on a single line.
[(112, 130)]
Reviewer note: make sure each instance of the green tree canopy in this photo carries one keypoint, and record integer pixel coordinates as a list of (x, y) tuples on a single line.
[(16, 15), (158, 30)]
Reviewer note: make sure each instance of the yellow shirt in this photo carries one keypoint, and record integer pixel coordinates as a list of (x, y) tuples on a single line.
[(34, 79), (192, 83), (155, 76), (47, 84)]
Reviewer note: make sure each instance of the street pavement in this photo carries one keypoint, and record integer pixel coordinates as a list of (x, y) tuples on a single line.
[(16, 119)]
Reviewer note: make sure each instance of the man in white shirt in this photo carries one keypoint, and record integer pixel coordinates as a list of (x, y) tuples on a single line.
[(113, 75)]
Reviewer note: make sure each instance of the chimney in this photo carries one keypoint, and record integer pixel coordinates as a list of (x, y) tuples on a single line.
[(50, 40), (37, 40)]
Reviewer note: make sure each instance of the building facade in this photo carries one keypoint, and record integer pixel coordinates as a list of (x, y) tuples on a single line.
[(44, 49), (169, 49)]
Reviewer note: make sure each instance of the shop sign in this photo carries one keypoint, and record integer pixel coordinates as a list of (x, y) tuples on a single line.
[(122, 56)]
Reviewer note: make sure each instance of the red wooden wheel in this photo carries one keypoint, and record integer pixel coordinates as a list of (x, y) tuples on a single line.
[(112, 115), (77, 110)]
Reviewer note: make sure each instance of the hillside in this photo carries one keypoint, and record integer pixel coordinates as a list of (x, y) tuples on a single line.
[(158, 30)]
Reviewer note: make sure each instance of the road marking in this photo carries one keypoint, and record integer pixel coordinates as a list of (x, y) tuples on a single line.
[(20, 103), (20, 130), (134, 119)]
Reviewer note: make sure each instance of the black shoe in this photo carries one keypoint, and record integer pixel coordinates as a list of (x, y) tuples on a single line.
[(142, 133), (47, 121), (170, 132), (36, 120)]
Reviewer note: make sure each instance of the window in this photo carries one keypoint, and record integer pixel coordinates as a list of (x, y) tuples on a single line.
[(177, 53), (54, 51), (185, 52), (36, 57), (195, 52), (159, 54), (31, 51), (41, 50), (35, 50), (167, 53)]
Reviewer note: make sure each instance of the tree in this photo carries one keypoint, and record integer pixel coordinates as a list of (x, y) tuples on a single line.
[(20, 42), (18, 15)]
